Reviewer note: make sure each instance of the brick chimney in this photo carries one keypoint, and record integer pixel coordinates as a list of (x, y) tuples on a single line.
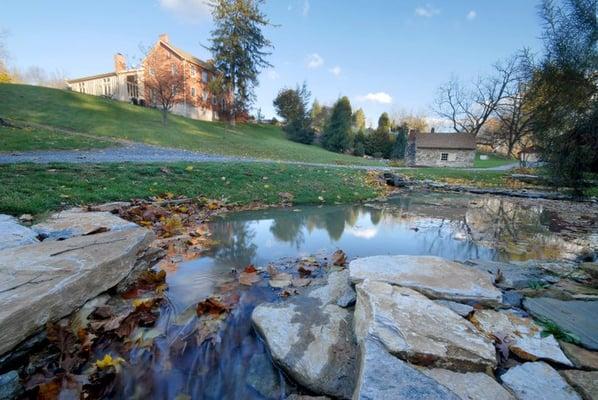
[(120, 63), (164, 38)]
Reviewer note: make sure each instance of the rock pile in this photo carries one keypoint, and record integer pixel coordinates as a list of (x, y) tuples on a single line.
[(424, 328)]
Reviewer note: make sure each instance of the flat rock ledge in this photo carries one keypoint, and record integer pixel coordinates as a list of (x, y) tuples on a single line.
[(46, 281), (418, 330), (523, 336), (76, 222), (538, 381), (434, 277)]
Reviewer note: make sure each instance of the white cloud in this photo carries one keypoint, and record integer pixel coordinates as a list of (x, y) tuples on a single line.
[(314, 61), (427, 11), (193, 10), (306, 7), (471, 15), (336, 71), (378, 97), (367, 233)]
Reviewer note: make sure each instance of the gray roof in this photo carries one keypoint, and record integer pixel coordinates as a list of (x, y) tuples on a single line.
[(437, 140)]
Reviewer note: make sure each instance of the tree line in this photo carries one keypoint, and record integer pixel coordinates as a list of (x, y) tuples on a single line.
[(340, 129)]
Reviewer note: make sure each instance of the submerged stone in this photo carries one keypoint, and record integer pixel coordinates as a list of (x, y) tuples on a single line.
[(435, 277), (383, 376), (312, 342), (538, 381), (417, 329), (43, 282), (523, 335), (577, 317)]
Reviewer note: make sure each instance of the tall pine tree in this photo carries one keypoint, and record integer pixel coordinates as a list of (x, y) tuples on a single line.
[(239, 49), (337, 134)]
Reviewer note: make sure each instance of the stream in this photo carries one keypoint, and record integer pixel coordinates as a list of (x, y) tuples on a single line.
[(167, 361)]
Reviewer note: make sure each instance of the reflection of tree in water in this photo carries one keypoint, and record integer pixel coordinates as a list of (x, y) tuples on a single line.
[(235, 242), (289, 229), (375, 216)]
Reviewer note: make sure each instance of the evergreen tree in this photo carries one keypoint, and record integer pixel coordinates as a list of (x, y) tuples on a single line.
[(291, 104), (359, 120), (378, 143), (398, 148), (239, 49), (337, 134), (319, 116)]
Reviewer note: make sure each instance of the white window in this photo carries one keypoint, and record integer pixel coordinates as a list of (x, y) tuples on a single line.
[(82, 87), (192, 92), (107, 88), (193, 70), (173, 69), (204, 76), (204, 96), (444, 157)]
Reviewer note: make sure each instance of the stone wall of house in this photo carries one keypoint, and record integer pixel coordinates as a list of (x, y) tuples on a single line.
[(410, 153), (433, 158)]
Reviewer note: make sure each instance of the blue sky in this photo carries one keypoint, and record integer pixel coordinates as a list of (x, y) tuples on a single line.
[(383, 55)]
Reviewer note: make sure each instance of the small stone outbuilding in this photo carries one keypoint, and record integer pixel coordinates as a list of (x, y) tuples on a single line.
[(432, 149)]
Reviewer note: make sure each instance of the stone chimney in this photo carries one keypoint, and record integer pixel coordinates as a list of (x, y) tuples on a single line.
[(164, 38), (432, 130), (120, 63)]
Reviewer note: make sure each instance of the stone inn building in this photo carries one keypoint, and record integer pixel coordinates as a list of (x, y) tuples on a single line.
[(126, 84), (431, 149)]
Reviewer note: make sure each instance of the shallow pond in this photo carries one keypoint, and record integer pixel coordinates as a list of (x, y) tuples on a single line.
[(167, 362)]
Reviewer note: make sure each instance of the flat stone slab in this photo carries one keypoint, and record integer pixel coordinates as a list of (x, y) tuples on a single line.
[(13, 234), (462, 309), (470, 385), (383, 376), (538, 381), (338, 290), (513, 276), (46, 281), (580, 357), (70, 223), (576, 316), (525, 339), (312, 342), (418, 330), (585, 382), (435, 277)]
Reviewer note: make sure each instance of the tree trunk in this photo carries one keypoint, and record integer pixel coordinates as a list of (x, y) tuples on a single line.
[(164, 117)]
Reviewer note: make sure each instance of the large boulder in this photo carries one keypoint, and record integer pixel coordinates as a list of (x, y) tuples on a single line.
[(383, 376), (523, 335), (44, 282), (470, 385), (577, 317), (13, 234), (538, 381), (75, 222), (417, 329), (435, 277), (312, 342)]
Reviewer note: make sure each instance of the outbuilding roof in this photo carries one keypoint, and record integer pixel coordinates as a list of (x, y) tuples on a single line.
[(438, 140)]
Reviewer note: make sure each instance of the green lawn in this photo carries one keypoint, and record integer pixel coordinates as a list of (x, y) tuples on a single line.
[(26, 139), (494, 160), (102, 117), (35, 188), (459, 176)]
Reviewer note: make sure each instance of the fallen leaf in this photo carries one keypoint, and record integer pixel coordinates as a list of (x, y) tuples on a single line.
[(339, 258), (248, 278), (250, 268), (108, 361), (280, 280), (211, 306)]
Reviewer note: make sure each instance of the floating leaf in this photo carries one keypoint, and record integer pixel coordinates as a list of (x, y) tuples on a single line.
[(108, 361)]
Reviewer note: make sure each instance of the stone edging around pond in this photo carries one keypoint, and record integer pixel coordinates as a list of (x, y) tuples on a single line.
[(439, 332)]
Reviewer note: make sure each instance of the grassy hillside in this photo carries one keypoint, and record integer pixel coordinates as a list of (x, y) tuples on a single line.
[(26, 138), (102, 117)]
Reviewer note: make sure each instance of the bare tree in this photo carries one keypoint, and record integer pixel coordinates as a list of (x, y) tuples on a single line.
[(468, 107), (164, 82), (413, 121), (515, 119)]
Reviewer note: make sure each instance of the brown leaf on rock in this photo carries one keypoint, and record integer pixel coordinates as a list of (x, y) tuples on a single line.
[(339, 258), (250, 268)]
